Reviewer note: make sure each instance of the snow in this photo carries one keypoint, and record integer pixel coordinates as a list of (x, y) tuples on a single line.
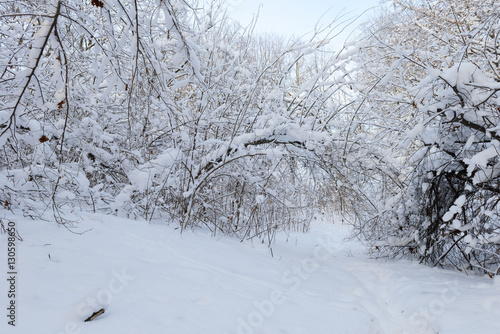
[(456, 208), (482, 158), (417, 130), (149, 278)]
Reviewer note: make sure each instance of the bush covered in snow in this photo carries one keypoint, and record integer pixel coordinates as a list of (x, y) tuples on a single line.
[(434, 75), (162, 109)]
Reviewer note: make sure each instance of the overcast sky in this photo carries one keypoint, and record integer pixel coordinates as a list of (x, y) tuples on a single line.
[(295, 17)]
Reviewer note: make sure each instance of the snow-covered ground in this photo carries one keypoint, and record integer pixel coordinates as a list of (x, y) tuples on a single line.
[(151, 279)]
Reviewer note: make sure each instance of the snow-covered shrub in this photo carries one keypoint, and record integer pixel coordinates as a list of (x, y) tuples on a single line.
[(441, 96), (77, 94), (157, 109)]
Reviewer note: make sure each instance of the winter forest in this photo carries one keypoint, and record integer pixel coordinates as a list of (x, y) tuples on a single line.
[(168, 109)]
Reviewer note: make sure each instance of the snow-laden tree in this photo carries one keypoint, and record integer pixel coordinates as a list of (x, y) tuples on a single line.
[(429, 81), (250, 155), (165, 108), (80, 83)]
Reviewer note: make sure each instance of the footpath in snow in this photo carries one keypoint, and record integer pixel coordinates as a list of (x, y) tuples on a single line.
[(151, 279)]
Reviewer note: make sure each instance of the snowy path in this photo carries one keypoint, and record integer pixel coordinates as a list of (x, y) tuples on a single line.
[(151, 279)]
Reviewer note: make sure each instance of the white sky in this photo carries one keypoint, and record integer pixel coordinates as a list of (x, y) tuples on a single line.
[(296, 17)]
